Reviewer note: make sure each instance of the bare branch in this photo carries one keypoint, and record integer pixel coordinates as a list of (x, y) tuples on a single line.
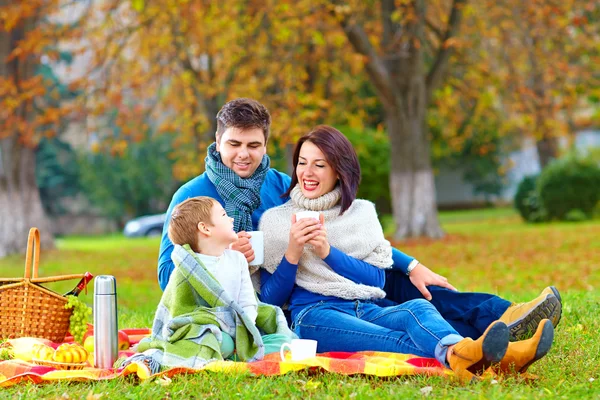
[(375, 65), (438, 68), (389, 27), (436, 31)]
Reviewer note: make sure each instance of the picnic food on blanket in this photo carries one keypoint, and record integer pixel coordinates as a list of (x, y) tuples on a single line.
[(88, 344), (42, 352), (70, 353), (123, 341), (21, 348), (81, 285), (78, 321)]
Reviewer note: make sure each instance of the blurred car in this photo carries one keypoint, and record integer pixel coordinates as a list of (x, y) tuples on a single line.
[(148, 225)]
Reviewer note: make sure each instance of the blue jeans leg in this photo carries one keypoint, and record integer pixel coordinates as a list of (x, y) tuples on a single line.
[(413, 328), (470, 313)]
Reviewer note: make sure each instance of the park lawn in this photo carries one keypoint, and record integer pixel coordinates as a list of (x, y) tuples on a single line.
[(485, 250)]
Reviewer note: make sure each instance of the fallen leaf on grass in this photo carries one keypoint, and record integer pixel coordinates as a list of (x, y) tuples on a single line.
[(92, 396), (426, 391), (164, 381), (312, 385)]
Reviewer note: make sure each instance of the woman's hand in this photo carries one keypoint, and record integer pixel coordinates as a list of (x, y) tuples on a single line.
[(320, 242), (301, 233), (421, 277)]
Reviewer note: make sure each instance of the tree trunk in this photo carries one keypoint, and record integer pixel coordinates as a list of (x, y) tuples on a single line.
[(412, 187), (411, 175), (20, 203), (547, 149)]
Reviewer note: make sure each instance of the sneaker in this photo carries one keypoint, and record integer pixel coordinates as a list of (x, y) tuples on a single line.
[(524, 318), (520, 355), (470, 358)]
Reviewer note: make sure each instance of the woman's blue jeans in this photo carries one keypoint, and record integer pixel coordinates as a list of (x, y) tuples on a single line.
[(414, 327)]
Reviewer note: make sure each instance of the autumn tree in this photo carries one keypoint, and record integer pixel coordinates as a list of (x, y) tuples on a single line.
[(180, 61), (176, 63), (541, 57), (406, 46), (23, 118)]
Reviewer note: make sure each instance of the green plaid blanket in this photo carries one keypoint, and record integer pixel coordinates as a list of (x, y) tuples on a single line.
[(192, 316)]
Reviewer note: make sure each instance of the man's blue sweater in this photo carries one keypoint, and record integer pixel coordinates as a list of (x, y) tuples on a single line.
[(275, 184)]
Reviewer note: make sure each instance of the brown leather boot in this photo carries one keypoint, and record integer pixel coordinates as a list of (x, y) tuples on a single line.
[(520, 355), (469, 358), (523, 318)]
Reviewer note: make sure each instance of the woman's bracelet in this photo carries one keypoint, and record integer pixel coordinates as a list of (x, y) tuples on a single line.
[(412, 266)]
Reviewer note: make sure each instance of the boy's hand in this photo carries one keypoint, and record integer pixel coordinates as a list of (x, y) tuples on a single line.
[(243, 246)]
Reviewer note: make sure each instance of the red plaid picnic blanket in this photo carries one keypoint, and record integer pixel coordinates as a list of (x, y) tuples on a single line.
[(374, 363)]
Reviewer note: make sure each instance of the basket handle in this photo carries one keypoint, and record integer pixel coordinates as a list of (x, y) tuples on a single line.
[(33, 254)]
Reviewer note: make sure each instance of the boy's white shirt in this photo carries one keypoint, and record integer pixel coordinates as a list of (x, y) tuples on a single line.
[(231, 270)]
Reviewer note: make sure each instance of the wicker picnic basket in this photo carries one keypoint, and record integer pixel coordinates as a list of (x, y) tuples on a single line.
[(28, 309)]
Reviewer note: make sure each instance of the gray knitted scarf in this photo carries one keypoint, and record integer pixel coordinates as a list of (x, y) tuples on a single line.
[(357, 233)]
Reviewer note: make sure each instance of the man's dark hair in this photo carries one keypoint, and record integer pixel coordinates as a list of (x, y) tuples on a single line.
[(339, 154), (243, 113)]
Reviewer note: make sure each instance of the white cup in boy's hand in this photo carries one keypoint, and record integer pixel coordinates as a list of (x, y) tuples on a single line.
[(257, 240), (307, 214)]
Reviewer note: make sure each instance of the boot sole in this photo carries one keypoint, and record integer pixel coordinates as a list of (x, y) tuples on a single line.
[(524, 328), (493, 347), (544, 345), (557, 294)]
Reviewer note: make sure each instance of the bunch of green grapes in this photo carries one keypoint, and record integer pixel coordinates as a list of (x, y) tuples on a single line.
[(79, 319)]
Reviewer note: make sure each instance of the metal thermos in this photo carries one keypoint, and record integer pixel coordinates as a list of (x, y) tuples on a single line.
[(106, 337)]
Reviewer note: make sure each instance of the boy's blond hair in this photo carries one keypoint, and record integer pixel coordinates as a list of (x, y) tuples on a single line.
[(183, 226)]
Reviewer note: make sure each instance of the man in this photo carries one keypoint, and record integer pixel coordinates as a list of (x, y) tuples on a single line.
[(238, 175)]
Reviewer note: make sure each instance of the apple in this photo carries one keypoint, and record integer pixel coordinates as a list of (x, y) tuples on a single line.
[(124, 341), (88, 333), (88, 344)]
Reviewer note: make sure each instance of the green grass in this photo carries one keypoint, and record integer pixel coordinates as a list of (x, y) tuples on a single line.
[(485, 250)]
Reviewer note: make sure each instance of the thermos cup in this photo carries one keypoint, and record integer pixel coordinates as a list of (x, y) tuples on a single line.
[(106, 339)]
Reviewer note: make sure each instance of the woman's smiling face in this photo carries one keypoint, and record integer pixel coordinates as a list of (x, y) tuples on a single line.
[(315, 176)]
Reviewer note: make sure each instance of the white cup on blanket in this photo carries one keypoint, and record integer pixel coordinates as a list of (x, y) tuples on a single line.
[(257, 240), (301, 349)]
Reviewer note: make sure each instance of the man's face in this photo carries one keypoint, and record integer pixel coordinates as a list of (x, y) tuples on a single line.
[(242, 150)]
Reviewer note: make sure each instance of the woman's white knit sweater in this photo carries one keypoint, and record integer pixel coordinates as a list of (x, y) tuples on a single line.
[(357, 233)]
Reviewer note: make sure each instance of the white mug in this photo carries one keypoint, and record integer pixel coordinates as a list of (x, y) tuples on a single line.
[(257, 240), (307, 214), (301, 349)]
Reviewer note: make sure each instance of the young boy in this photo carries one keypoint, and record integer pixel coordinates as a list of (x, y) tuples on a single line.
[(202, 223)]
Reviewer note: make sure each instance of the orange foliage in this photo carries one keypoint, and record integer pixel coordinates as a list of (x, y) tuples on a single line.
[(27, 33)]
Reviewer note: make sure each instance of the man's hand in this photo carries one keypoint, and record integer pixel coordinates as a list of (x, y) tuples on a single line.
[(421, 277), (243, 246)]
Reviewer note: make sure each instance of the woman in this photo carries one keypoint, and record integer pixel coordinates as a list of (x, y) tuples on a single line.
[(331, 271)]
